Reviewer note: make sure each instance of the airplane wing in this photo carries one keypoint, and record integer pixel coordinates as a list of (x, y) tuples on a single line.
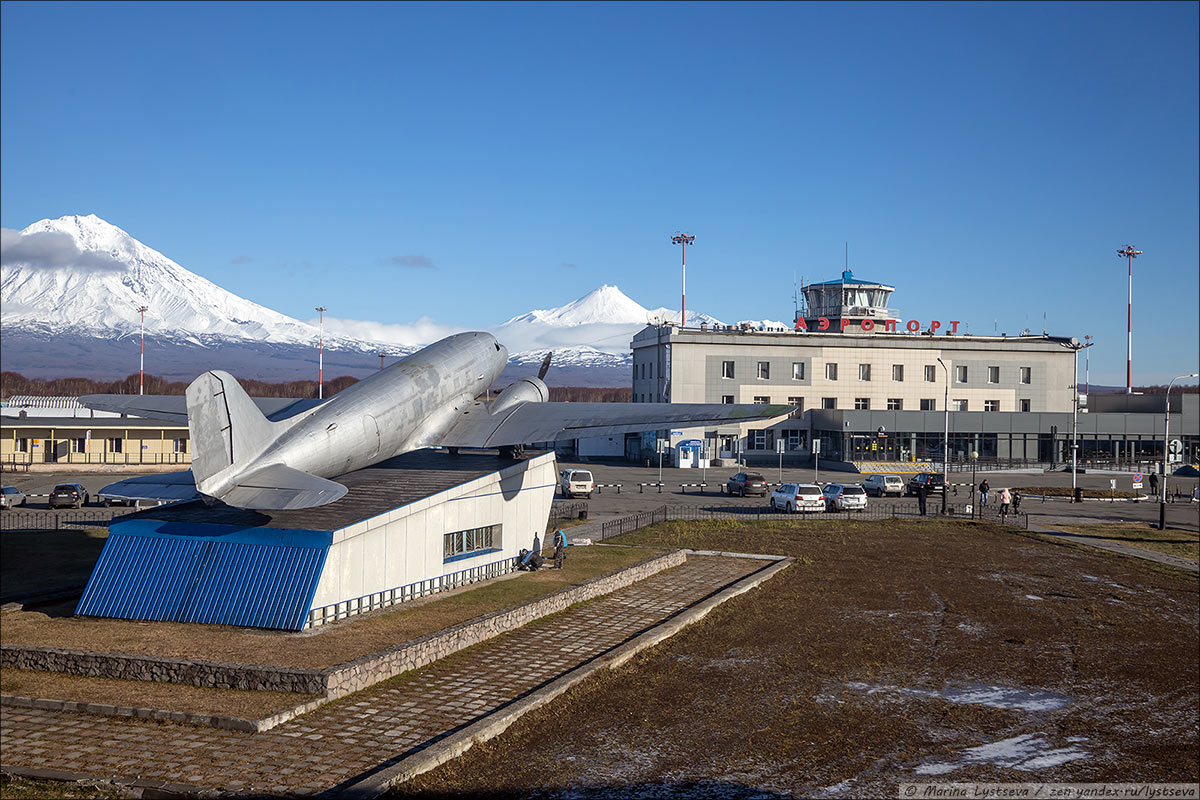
[(173, 408), (550, 422)]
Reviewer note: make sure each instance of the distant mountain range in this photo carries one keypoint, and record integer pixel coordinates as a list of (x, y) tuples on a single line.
[(71, 288)]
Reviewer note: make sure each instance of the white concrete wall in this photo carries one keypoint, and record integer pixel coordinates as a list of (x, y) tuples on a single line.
[(605, 446), (405, 545)]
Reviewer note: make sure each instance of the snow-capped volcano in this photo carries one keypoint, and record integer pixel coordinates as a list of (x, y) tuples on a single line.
[(95, 276)]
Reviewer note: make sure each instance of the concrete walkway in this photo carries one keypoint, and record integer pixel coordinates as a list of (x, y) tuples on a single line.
[(1119, 547), (342, 744)]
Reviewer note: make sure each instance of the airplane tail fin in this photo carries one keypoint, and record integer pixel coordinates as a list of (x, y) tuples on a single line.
[(226, 426)]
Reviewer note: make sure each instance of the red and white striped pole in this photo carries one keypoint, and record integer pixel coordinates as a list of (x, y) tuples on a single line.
[(684, 239), (142, 351), (1130, 254), (321, 355)]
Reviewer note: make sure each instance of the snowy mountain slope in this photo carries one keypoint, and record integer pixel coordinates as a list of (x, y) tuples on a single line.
[(84, 276)]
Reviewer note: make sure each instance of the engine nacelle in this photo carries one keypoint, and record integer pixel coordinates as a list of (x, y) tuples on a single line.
[(526, 390)]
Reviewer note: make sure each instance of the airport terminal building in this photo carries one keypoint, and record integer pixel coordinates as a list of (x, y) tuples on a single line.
[(874, 388)]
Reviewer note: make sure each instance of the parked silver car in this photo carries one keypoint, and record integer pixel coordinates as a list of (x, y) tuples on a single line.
[(845, 497), (11, 497), (879, 485)]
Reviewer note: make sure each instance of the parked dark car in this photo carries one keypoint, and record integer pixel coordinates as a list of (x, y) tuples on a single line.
[(933, 482), (745, 483), (69, 494)]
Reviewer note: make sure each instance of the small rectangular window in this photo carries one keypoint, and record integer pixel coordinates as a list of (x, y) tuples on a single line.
[(1026, 374), (23, 445), (181, 445), (862, 403), (928, 405), (960, 374), (1025, 406), (461, 544), (993, 374), (958, 405), (864, 372), (931, 373), (991, 405), (651, 370), (831, 372), (828, 402), (797, 370), (757, 440), (115, 444), (798, 402), (79, 445), (895, 404), (762, 401), (727, 399), (897, 372), (727, 369), (643, 370), (764, 370)]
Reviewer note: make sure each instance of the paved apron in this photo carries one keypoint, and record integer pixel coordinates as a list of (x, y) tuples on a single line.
[(347, 739)]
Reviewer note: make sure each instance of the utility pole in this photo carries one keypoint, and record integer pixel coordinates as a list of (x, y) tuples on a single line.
[(321, 355), (946, 439), (1087, 358), (1130, 254), (684, 239), (142, 351)]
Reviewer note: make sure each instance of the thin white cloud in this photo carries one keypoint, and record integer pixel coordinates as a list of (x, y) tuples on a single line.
[(422, 332), (51, 250)]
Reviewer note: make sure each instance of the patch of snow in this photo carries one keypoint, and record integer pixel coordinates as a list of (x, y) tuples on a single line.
[(994, 696), (1032, 597), (1027, 752), (1090, 578)]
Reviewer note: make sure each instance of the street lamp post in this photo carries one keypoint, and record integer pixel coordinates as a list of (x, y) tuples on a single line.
[(321, 355), (142, 350), (381, 355), (684, 239), (946, 438), (974, 466), (1162, 497), (1130, 254)]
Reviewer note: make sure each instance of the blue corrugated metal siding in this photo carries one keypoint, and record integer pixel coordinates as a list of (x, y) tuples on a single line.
[(219, 574)]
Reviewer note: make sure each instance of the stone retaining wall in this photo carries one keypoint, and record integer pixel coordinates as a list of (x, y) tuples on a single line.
[(338, 680)]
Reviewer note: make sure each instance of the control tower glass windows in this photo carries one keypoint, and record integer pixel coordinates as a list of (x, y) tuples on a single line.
[(764, 370), (727, 370), (864, 372), (831, 372)]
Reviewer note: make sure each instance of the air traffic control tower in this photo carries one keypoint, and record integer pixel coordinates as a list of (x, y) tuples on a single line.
[(849, 299), (413, 525)]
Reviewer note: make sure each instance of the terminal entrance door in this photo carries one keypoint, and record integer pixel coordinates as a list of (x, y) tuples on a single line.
[(868, 447)]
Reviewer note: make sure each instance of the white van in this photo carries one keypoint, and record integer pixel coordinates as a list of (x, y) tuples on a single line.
[(576, 483)]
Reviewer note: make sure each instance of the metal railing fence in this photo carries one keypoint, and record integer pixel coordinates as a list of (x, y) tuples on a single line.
[(20, 519)]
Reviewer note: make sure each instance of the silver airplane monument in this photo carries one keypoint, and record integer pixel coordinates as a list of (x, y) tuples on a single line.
[(281, 454)]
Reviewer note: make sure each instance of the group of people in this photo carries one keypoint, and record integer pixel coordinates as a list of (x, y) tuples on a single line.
[(1010, 499), (531, 560)]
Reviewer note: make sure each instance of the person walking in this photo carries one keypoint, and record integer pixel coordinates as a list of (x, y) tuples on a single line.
[(1154, 484), (1005, 501), (983, 493), (922, 493), (1016, 502), (560, 548)]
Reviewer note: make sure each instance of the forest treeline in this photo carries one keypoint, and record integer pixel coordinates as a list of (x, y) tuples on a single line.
[(14, 383)]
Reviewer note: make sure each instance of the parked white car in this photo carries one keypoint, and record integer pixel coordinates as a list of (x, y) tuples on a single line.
[(845, 497), (576, 483), (11, 497), (793, 497), (879, 485)]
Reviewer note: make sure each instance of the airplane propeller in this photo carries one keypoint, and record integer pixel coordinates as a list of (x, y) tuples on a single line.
[(545, 365)]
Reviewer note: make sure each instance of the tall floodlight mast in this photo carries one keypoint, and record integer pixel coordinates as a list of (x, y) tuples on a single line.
[(1130, 254), (321, 355), (684, 239), (142, 351)]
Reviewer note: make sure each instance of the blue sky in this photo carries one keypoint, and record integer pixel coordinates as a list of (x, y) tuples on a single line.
[(464, 163)]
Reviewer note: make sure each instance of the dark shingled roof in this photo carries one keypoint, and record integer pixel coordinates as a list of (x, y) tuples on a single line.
[(373, 491)]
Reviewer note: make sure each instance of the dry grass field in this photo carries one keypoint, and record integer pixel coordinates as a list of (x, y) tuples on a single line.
[(889, 652), (1173, 542)]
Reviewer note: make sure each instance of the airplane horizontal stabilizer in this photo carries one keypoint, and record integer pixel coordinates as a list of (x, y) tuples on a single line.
[(165, 487), (278, 487), (551, 422), (173, 407)]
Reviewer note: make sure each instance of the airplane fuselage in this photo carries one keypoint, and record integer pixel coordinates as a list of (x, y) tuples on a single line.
[(404, 407)]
